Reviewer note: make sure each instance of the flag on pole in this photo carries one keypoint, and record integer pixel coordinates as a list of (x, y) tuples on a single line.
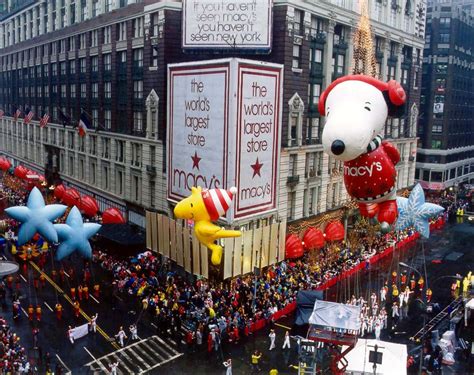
[(28, 116), (16, 114), (65, 119), (1, 113), (44, 120), (84, 123)]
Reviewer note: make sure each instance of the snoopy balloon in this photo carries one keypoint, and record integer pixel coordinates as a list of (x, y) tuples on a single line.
[(203, 206), (356, 108)]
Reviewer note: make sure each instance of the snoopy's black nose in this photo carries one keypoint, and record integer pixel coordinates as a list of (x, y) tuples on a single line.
[(338, 147)]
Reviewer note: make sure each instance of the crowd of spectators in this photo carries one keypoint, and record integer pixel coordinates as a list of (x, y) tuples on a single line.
[(226, 310), (13, 357)]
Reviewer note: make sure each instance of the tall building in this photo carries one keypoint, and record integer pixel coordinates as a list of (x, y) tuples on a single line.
[(109, 59), (446, 127)]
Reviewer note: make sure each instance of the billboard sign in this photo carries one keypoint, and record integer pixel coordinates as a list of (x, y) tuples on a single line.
[(229, 24), (224, 124)]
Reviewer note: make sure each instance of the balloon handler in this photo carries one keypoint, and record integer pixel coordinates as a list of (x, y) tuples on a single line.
[(204, 206), (356, 109)]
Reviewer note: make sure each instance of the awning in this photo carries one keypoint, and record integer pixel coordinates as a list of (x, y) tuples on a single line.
[(124, 235)]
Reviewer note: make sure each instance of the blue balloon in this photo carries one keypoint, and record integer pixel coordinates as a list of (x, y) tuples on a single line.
[(415, 212), (74, 235), (36, 217)]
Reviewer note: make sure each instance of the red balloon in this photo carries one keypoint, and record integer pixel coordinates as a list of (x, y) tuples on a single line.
[(89, 205), (59, 191), (293, 247), (313, 239), (113, 215), (72, 197), (5, 164), (20, 172), (334, 231)]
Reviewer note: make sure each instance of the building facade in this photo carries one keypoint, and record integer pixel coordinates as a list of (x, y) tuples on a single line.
[(109, 58), (446, 128)]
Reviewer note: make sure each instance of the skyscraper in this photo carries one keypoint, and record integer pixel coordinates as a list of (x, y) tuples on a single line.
[(446, 127)]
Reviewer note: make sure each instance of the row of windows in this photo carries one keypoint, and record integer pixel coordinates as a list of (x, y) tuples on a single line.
[(92, 38)]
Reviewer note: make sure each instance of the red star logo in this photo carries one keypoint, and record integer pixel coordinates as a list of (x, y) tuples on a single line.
[(256, 168), (196, 160)]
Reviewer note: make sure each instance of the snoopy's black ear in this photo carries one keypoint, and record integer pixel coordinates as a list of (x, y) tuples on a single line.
[(393, 110)]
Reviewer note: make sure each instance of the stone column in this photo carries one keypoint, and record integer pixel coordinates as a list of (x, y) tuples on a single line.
[(50, 16), (384, 67), (328, 48), (350, 49)]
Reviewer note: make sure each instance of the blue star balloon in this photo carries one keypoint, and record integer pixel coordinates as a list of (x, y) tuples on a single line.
[(36, 218), (415, 212), (74, 235)]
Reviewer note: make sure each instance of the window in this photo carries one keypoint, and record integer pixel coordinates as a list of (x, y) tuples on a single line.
[(108, 119), (92, 144), (436, 144), (136, 154), (63, 68), (391, 72), (106, 147), (54, 49), (82, 64), (93, 173), (95, 8), (121, 31), (95, 90), (63, 91), (72, 67), (62, 46), (94, 38), (95, 118), (119, 182), (138, 27), (107, 34), (82, 41), (138, 89), (120, 149), (444, 37), (73, 90), (105, 178), (318, 56), (437, 128), (315, 93), (137, 188), (445, 21), (108, 5), (138, 58), (107, 62), (72, 43), (95, 63), (54, 70), (155, 24), (404, 77), (83, 91), (296, 56), (154, 55), (107, 90), (138, 121)]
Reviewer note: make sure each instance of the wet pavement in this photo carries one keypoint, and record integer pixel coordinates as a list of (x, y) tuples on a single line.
[(450, 248)]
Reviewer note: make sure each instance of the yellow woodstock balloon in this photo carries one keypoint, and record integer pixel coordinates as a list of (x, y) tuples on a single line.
[(203, 206)]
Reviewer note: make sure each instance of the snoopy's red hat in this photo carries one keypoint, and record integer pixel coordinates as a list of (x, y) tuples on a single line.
[(395, 91)]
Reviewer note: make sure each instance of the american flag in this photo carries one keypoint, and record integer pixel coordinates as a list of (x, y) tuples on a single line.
[(1, 113), (29, 115), (44, 120), (16, 114)]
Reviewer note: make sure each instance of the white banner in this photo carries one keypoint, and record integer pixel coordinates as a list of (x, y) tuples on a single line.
[(198, 129), (81, 331), (335, 315), (227, 24), (258, 139)]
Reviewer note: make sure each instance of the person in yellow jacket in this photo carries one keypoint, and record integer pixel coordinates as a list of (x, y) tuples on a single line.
[(212, 313), (465, 285), (394, 291), (273, 371), (256, 355)]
